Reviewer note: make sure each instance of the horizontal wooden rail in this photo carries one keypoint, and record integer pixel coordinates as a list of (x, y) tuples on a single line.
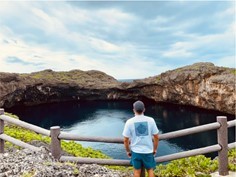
[(231, 123), (25, 125), (96, 161), (232, 145), (189, 153), (188, 131), (174, 134), (67, 136), (193, 152), (18, 142)]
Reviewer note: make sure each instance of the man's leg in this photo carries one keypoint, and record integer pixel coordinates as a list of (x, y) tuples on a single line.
[(137, 164), (150, 172), (137, 172), (149, 164)]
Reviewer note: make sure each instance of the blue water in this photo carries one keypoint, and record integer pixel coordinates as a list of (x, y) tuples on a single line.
[(103, 118)]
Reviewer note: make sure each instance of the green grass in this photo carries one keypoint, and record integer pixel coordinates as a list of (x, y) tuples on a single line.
[(233, 71), (158, 78), (28, 174), (74, 76), (11, 115)]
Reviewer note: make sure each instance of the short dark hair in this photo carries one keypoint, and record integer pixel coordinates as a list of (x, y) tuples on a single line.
[(139, 106)]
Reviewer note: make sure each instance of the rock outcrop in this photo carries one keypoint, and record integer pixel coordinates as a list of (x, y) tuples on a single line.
[(48, 86), (202, 85), (41, 164)]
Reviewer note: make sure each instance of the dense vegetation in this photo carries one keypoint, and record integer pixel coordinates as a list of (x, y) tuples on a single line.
[(192, 166), (199, 166)]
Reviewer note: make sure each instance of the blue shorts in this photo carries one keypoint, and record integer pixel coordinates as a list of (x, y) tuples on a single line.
[(138, 160)]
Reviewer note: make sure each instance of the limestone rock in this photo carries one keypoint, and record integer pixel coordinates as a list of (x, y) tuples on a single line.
[(41, 164), (201, 84)]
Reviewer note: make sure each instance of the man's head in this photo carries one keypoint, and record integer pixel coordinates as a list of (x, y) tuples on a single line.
[(139, 107)]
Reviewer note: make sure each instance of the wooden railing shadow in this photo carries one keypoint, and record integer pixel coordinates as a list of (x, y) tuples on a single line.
[(56, 136)]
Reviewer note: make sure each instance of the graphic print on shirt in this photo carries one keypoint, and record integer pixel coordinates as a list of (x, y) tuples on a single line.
[(141, 128)]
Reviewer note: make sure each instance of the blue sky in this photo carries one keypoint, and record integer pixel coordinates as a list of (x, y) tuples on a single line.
[(124, 39)]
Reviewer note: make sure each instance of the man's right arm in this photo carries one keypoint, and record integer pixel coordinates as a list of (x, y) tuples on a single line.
[(126, 134), (126, 143), (155, 143)]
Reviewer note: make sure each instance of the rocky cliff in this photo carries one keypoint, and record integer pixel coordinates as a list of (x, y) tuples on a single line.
[(49, 86), (202, 84)]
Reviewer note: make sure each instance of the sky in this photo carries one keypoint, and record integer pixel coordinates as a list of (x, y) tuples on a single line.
[(125, 39)]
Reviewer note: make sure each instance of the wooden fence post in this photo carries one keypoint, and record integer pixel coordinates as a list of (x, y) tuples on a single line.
[(222, 138), (55, 142), (1, 131)]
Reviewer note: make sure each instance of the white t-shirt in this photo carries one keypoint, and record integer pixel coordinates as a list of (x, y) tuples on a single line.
[(140, 130)]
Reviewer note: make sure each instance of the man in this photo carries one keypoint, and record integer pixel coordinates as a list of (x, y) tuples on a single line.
[(138, 133)]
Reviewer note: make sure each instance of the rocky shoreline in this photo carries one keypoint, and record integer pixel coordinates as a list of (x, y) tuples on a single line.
[(24, 163), (201, 85)]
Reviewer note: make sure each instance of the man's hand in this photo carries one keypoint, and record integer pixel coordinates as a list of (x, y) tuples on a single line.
[(128, 154), (154, 153)]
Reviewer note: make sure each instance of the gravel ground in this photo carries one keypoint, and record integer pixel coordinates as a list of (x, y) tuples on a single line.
[(26, 163)]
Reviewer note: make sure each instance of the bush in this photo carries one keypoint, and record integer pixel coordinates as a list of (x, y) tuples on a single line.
[(191, 166), (197, 166)]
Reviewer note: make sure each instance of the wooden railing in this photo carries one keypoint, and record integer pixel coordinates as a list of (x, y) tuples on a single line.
[(56, 136)]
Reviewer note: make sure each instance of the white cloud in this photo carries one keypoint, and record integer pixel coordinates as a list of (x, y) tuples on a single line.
[(56, 24), (114, 17), (228, 12), (179, 50), (132, 67), (59, 60), (48, 23), (195, 44), (160, 23), (65, 37), (227, 61), (102, 45), (179, 53), (12, 46), (74, 15)]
